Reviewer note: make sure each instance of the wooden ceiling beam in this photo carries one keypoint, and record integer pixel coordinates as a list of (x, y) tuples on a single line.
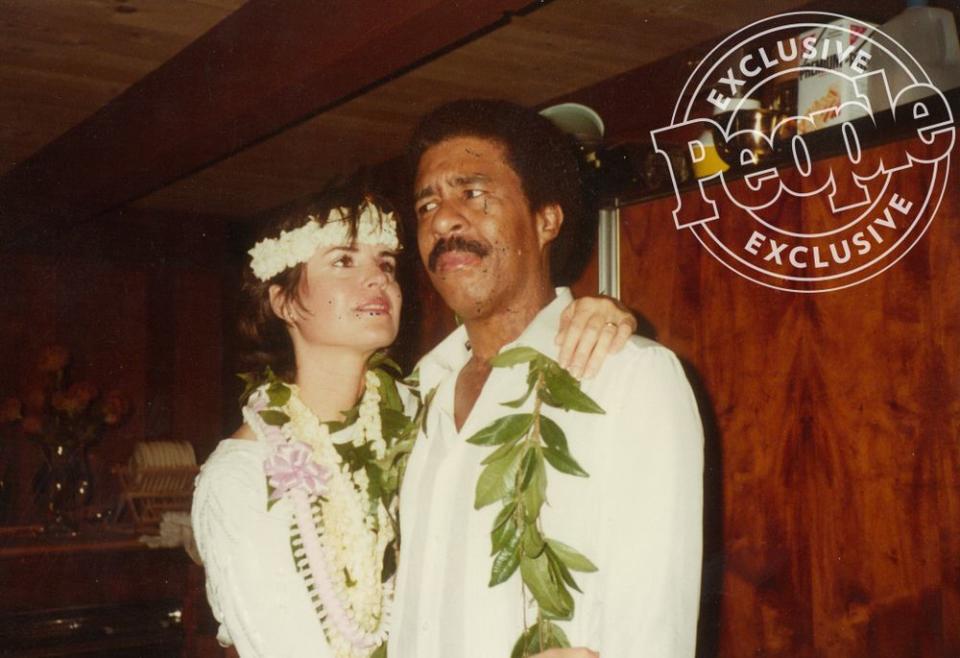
[(269, 65)]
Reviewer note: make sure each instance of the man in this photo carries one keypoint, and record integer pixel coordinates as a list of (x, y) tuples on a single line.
[(495, 184)]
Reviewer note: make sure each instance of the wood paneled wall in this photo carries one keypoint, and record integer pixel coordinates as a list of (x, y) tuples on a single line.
[(833, 458), (138, 302)]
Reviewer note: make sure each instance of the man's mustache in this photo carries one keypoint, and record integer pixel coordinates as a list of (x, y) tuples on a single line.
[(454, 243)]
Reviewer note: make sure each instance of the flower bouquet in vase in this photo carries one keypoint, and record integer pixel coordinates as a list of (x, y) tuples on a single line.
[(63, 418)]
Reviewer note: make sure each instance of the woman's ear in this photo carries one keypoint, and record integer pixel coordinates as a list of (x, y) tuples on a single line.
[(280, 304), (549, 221)]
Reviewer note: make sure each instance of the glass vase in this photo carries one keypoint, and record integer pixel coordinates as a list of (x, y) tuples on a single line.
[(62, 486)]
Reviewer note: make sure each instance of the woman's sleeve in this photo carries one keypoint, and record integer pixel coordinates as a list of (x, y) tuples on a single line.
[(232, 530)]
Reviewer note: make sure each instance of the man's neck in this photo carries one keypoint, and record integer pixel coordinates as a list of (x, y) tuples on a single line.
[(491, 332)]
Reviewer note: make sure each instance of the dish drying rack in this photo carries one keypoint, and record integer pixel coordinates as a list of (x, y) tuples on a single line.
[(158, 478)]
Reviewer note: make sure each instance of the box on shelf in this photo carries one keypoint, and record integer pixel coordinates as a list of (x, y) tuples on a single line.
[(831, 57)]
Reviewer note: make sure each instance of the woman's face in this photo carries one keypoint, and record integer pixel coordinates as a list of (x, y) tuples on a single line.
[(348, 297)]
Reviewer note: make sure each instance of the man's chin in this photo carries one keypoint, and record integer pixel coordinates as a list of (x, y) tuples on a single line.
[(461, 296)]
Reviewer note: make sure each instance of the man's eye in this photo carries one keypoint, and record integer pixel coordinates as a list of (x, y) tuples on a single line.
[(473, 194), (424, 208)]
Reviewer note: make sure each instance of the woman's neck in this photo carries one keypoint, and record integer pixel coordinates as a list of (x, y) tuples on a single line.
[(330, 380)]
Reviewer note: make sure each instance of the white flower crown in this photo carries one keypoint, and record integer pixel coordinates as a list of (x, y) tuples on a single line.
[(271, 256)]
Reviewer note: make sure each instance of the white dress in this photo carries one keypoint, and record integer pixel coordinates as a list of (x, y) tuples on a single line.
[(252, 585)]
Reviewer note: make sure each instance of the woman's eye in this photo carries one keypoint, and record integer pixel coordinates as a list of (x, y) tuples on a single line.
[(343, 261), (388, 267)]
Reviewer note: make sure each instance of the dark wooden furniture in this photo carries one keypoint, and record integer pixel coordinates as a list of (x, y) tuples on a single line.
[(105, 595)]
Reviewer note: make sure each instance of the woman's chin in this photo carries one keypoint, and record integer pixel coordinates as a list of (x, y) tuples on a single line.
[(365, 337), (375, 338)]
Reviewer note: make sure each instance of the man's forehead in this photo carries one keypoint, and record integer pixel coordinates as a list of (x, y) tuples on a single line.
[(461, 159)]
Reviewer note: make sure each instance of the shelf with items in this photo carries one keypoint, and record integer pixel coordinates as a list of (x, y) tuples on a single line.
[(831, 141)]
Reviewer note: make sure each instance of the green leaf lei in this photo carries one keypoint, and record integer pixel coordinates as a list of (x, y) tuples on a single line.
[(515, 474)]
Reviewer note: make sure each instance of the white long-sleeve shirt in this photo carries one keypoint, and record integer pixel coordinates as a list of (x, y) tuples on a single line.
[(637, 516), (253, 587)]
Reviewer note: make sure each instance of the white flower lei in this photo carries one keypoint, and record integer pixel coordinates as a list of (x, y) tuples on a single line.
[(271, 256), (338, 541)]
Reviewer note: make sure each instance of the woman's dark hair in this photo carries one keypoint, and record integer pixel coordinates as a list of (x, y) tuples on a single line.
[(544, 158), (264, 338)]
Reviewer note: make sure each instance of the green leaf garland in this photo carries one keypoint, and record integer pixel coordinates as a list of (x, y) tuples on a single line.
[(516, 474)]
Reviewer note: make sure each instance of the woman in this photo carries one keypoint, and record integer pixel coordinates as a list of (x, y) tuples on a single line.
[(295, 514)]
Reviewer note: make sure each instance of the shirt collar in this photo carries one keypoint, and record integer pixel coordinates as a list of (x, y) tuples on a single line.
[(448, 357)]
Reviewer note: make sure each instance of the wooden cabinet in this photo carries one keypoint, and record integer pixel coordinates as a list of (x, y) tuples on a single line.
[(105, 596), (833, 456)]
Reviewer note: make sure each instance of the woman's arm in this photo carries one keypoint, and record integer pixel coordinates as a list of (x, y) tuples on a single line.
[(590, 329), (254, 592)]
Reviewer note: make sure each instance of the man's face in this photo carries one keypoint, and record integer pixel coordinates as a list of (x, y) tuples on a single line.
[(478, 239)]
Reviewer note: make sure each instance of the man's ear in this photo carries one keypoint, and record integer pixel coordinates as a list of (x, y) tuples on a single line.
[(549, 221), (280, 304)]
